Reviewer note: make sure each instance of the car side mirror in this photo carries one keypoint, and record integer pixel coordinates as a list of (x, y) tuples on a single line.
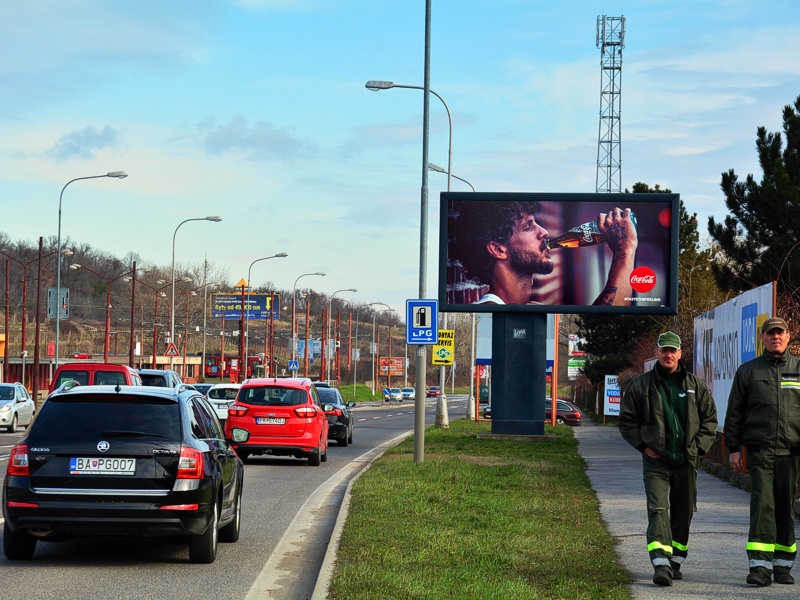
[(351, 404), (328, 407), (239, 435)]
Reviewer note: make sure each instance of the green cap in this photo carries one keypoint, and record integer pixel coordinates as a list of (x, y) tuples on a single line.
[(669, 339)]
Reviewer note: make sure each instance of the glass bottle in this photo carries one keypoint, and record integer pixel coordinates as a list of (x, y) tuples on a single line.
[(586, 234)]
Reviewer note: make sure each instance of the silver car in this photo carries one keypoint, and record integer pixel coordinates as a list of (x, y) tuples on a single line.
[(16, 406)]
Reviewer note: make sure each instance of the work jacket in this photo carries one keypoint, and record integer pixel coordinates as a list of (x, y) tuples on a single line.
[(641, 417), (764, 406)]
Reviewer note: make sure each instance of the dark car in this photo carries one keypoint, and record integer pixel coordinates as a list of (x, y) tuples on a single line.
[(123, 461), (566, 412), (340, 417), (160, 377)]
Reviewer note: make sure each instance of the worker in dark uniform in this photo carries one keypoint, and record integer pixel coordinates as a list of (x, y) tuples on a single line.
[(669, 416), (764, 417)]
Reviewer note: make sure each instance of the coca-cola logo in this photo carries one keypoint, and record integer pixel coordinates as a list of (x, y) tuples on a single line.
[(643, 279)]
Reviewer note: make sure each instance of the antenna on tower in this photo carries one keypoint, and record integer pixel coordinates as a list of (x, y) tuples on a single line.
[(611, 41)]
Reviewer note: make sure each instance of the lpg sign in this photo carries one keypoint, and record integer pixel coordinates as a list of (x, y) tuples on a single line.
[(421, 322)]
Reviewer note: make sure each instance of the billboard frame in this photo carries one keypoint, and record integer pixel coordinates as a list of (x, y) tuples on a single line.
[(671, 206)]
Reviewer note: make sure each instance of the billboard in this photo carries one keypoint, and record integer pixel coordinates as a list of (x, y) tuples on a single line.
[(727, 336), (559, 253), (392, 367), (258, 307)]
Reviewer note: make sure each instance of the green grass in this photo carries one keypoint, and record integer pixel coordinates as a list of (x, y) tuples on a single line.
[(477, 519)]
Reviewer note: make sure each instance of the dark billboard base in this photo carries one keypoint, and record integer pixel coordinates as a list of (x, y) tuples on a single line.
[(517, 427)]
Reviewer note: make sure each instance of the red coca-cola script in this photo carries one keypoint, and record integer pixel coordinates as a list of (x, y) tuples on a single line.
[(643, 279)]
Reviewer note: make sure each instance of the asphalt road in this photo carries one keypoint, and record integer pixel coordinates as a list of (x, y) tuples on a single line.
[(288, 515)]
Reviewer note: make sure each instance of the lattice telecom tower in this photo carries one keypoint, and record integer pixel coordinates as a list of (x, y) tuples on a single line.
[(611, 41)]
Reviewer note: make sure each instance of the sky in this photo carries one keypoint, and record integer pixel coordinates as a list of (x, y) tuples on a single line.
[(257, 111)]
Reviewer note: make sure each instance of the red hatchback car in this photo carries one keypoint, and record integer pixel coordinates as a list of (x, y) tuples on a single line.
[(278, 417)]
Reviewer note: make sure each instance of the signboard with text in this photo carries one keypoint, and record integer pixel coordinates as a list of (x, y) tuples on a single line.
[(258, 307), (393, 367), (444, 352)]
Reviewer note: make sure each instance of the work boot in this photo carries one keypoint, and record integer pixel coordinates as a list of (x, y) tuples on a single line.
[(676, 571), (759, 577), (783, 577), (662, 577)]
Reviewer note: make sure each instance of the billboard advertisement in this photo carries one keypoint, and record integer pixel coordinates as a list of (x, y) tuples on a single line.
[(613, 396), (727, 336), (559, 253), (258, 307), (392, 367)]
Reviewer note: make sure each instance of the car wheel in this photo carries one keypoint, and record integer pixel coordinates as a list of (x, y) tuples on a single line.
[(203, 548), (12, 427), (314, 459), (18, 545), (324, 457), (560, 420), (343, 441), (33, 416), (230, 533), (350, 437)]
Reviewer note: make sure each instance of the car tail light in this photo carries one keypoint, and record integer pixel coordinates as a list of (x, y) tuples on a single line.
[(306, 412), (18, 461), (180, 507), (577, 414), (10, 504), (336, 412), (190, 464), (237, 410)]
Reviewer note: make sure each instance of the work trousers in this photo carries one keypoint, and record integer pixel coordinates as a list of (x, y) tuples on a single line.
[(771, 544), (671, 501)]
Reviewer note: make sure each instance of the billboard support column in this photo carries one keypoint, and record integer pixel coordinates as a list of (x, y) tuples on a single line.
[(519, 355)]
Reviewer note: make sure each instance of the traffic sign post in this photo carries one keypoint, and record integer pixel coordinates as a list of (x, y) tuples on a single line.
[(421, 322), (172, 350), (294, 365)]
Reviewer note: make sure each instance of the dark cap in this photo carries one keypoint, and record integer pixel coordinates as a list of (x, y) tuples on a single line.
[(669, 339), (774, 323)]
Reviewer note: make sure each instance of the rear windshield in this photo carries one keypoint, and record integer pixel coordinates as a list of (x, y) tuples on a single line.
[(81, 377), (272, 396), (329, 395), (222, 393), (154, 380), (78, 418)]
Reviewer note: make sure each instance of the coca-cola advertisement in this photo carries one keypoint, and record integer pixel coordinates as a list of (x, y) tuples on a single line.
[(559, 252)]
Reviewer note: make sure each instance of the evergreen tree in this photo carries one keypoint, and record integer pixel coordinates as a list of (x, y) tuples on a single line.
[(756, 242)]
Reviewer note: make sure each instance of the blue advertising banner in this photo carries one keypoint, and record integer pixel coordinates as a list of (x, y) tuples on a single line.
[(258, 307)]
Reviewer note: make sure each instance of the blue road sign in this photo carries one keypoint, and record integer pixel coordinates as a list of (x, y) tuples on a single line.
[(294, 365), (422, 317)]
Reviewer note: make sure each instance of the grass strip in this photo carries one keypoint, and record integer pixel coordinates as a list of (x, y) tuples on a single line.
[(478, 518)]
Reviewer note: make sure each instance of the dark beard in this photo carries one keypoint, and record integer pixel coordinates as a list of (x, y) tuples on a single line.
[(527, 264)]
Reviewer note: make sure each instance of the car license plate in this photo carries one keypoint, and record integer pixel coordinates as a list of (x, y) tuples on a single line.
[(270, 420), (222, 406), (102, 466)]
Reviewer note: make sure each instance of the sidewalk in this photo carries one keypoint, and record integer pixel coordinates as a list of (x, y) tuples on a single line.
[(716, 566)]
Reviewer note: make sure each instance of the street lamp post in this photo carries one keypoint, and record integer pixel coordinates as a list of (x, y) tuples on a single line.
[(442, 420), (471, 401), (328, 330), (294, 320), (172, 313), (114, 174), (247, 312), (108, 280)]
